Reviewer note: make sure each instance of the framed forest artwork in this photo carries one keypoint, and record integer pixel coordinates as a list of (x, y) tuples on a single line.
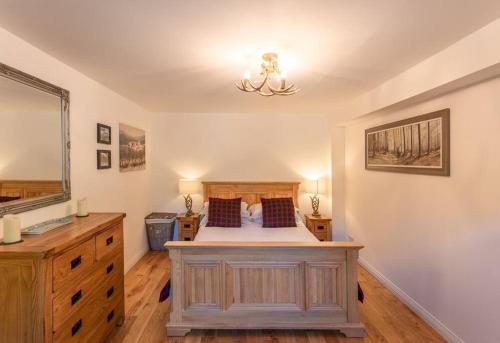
[(418, 145)]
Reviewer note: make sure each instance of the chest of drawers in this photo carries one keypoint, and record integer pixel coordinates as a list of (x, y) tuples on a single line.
[(65, 285)]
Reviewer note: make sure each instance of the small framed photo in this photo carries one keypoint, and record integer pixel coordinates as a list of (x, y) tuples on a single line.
[(103, 134), (103, 159)]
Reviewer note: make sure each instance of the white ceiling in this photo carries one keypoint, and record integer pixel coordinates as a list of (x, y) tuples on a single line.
[(185, 55)]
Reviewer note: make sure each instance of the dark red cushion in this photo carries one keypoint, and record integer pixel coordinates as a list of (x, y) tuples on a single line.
[(224, 212), (278, 212)]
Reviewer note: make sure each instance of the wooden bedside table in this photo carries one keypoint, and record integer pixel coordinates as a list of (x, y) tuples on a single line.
[(188, 226), (320, 227)]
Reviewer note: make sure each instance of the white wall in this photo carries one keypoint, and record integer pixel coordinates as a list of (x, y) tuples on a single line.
[(474, 58), (238, 147), (106, 190), (436, 238)]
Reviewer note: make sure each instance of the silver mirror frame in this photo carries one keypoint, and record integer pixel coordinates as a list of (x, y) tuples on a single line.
[(24, 205)]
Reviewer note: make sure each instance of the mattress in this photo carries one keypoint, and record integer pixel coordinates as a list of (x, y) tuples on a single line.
[(253, 232)]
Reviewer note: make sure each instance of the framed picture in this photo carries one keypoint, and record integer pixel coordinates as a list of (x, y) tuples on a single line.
[(132, 148), (103, 134), (103, 159), (418, 145)]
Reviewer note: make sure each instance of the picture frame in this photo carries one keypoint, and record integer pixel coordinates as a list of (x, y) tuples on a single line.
[(103, 159), (417, 145), (103, 134), (132, 143)]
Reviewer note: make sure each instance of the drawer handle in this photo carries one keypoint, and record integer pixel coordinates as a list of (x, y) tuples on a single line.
[(110, 292), (111, 315), (321, 227), (76, 327), (109, 241), (76, 297), (76, 262), (187, 225), (187, 238), (109, 269)]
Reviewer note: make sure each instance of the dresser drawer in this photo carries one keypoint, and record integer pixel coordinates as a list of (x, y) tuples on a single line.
[(97, 310), (321, 227), (106, 242), (322, 236), (73, 263), (80, 326), (108, 321), (109, 292), (75, 296)]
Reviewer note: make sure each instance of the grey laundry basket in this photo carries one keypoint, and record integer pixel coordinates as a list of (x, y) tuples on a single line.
[(160, 228)]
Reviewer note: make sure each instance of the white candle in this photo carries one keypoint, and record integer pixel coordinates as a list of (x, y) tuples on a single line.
[(82, 208), (11, 229)]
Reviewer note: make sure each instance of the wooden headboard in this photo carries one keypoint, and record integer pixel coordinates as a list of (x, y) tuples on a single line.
[(251, 192), (24, 189)]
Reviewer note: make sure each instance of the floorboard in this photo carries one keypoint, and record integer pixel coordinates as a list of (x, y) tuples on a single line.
[(387, 320)]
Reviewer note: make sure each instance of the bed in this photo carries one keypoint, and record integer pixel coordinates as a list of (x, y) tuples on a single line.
[(262, 278)]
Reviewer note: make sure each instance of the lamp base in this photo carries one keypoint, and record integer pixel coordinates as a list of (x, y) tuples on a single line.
[(315, 206), (189, 205)]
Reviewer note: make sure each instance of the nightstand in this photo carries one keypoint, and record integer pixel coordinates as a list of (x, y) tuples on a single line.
[(320, 227), (188, 226)]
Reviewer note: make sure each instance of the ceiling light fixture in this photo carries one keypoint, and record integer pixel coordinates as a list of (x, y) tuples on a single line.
[(273, 82)]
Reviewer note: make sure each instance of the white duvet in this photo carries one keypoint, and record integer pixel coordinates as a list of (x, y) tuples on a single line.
[(253, 232)]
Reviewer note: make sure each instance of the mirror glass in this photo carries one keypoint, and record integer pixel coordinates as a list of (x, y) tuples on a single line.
[(31, 142)]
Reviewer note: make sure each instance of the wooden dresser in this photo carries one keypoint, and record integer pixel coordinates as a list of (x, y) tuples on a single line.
[(65, 285)]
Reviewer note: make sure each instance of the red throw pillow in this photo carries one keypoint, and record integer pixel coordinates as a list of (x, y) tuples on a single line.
[(224, 212), (278, 212)]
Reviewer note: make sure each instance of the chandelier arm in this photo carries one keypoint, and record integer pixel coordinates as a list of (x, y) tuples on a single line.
[(263, 83), (265, 94), (241, 88), (288, 93), (282, 91), (246, 86)]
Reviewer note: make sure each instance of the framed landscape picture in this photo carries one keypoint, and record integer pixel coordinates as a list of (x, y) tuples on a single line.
[(418, 145), (103, 159), (132, 148), (103, 134)]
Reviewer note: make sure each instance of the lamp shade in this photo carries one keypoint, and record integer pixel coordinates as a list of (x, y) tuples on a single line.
[(315, 186), (189, 186)]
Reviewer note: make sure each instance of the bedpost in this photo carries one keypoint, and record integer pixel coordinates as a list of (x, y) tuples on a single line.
[(352, 294), (176, 289)]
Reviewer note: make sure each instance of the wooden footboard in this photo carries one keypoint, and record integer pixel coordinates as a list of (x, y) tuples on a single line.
[(244, 285)]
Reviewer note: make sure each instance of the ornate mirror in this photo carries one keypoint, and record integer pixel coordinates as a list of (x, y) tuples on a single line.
[(34, 142)]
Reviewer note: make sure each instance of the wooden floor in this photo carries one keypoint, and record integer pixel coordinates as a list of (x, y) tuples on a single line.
[(385, 317)]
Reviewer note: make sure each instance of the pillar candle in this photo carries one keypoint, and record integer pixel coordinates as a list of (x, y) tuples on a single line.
[(11, 229), (82, 208)]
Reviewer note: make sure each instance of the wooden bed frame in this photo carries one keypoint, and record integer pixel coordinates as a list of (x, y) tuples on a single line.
[(263, 285)]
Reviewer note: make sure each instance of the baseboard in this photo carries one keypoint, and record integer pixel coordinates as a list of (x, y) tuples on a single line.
[(134, 259), (444, 331)]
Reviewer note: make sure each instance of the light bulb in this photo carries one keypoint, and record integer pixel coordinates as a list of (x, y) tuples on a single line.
[(246, 75), (283, 74)]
